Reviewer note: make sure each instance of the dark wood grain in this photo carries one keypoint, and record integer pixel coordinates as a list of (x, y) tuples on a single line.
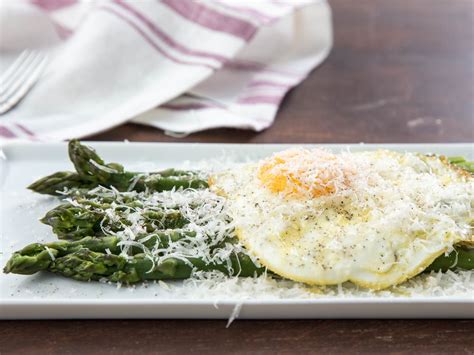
[(284, 337), (400, 71)]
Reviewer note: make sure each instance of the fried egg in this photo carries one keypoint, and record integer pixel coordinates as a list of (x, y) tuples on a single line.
[(373, 218)]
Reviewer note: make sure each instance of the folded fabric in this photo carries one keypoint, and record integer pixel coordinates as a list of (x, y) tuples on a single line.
[(178, 65)]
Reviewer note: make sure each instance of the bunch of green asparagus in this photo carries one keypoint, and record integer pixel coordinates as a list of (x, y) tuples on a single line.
[(90, 245)]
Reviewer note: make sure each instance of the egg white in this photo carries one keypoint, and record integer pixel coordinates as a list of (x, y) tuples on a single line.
[(400, 213)]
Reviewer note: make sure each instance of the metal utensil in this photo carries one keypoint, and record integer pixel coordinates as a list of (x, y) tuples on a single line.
[(19, 78)]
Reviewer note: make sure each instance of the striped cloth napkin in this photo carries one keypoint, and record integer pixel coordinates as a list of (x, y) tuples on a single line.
[(178, 65)]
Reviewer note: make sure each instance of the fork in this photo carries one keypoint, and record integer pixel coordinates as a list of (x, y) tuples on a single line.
[(19, 78)]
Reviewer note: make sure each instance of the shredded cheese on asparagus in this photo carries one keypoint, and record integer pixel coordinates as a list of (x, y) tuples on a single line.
[(204, 236)]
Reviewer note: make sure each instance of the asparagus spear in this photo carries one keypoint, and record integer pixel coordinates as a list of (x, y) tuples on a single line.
[(35, 257), (461, 257), (462, 163), (87, 260), (90, 166), (85, 265), (92, 171), (70, 221), (60, 181)]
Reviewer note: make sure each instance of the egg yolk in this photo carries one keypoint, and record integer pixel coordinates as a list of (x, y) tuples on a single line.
[(301, 172)]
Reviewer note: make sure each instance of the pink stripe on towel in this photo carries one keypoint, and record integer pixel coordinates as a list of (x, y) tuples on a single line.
[(7, 133), (24, 130), (212, 19), (160, 49), (168, 39), (261, 99), (53, 5)]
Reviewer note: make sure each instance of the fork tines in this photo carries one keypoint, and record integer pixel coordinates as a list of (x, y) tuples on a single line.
[(20, 78)]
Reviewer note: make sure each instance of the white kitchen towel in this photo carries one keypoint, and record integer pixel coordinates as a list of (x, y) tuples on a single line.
[(178, 65)]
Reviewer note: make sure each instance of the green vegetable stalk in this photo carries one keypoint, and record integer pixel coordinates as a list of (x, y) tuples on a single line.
[(462, 163), (70, 221), (459, 258), (92, 171), (99, 259)]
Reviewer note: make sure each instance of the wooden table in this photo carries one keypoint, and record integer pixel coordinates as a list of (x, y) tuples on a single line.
[(400, 71)]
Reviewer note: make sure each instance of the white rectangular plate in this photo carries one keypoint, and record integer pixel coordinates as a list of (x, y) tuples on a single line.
[(51, 296)]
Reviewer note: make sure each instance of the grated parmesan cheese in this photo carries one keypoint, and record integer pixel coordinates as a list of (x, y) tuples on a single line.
[(51, 255), (235, 313), (103, 167), (204, 236), (220, 288)]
